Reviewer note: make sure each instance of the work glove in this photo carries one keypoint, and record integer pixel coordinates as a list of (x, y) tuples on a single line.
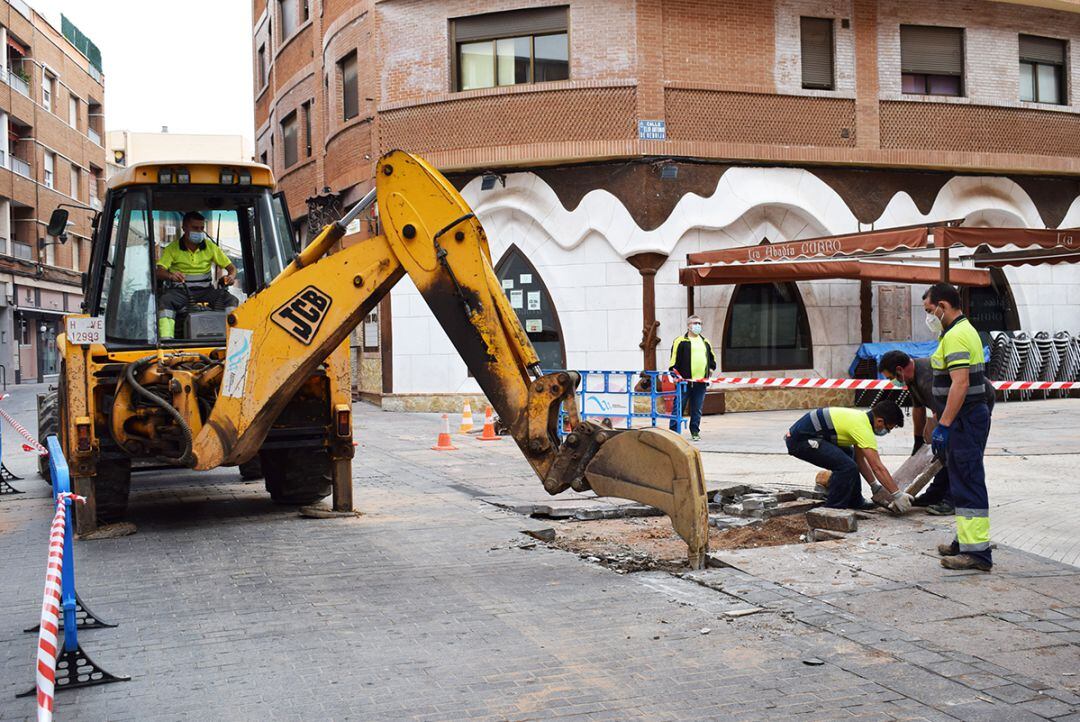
[(919, 443), (901, 502), (879, 495), (939, 440)]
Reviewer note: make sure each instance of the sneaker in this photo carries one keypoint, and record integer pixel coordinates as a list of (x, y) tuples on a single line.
[(965, 561), (948, 550), (695, 437), (942, 509)]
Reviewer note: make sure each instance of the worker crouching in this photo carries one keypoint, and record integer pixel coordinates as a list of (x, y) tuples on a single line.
[(844, 442)]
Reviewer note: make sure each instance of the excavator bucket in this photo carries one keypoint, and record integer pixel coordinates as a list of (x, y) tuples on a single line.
[(663, 470)]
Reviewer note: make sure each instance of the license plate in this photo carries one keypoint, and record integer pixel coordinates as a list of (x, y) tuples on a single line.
[(85, 331)]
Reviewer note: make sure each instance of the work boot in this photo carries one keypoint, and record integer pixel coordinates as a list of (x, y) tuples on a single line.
[(922, 501), (965, 561), (948, 550), (942, 509)]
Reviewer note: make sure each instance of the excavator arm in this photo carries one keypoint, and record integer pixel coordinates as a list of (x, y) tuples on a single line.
[(278, 337)]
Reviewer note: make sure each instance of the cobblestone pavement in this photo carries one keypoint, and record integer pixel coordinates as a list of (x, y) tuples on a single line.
[(430, 606)]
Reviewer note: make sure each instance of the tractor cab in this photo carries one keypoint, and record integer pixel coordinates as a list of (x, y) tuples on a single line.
[(140, 229)]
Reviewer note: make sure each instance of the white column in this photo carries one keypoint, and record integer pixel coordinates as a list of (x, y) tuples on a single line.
[(3, 54)]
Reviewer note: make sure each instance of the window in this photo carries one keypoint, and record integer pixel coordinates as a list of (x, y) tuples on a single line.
[(305, 11), (1042, 70), (73, 111), (534, 306), (305, 110), (350, 92), (932, 60), (510, 48), (816, 35), (288, 138), (766, 329), (50, 167), (287, 10), (263, 159), (75, 178), (46, 90), (262, 66)]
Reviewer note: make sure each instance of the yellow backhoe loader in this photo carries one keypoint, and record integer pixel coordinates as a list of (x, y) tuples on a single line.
[(266, 383)]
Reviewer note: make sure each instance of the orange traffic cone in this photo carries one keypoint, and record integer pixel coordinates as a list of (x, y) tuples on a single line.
[(466, 419), (443, 443), (489, 427)]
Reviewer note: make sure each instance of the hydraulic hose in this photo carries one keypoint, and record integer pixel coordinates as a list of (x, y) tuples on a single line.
[(130, 374)]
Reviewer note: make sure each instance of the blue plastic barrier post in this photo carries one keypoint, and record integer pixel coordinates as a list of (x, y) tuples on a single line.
[(74, 668)]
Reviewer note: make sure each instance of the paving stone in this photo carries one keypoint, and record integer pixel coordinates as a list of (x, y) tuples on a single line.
[(1012, 693), (832, 520), (1048, 707)]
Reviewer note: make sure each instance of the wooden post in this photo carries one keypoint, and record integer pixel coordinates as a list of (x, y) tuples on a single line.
[(647, 265), (943, 253)]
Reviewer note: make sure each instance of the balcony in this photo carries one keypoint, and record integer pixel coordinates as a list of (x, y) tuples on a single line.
[(22, 250), (93, 135), (20, 166), (19, 84)]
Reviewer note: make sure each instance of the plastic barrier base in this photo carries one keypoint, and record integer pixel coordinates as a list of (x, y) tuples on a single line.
[(84, 618), (75, 670), (6, 488)]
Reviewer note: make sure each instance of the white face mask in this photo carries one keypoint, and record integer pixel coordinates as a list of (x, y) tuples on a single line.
[(696, 328), (196, 236), (934, 323), (880, 432)]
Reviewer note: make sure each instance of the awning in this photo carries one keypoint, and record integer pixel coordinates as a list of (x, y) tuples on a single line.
[(887, 240), (15, 46), (1023, 237), (774, 272), (1028, 257)]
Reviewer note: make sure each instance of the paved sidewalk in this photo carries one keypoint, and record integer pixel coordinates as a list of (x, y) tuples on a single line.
[(429, 606)]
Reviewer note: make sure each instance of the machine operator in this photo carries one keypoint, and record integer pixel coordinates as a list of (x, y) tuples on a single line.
[(187, 268)]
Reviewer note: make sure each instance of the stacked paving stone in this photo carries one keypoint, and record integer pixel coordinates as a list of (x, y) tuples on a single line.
[(741, 505)]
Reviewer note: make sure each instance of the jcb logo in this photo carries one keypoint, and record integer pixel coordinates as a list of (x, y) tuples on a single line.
[(303, 314)]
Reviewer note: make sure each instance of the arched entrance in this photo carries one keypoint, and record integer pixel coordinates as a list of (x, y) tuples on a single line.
[(534, 306), (991, 308), (766, 329)]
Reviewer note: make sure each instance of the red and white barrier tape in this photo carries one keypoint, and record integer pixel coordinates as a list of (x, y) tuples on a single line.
[(31, 443), (49, 634), (872, 384)]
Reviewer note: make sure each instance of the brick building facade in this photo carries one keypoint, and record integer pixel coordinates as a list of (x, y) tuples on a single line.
[(51, 116), (770, 121)]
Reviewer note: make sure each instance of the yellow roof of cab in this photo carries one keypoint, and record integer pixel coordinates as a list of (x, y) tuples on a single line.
[(203, 172)]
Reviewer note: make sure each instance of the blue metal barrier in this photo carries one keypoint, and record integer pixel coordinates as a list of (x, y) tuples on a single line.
[(611, 395)]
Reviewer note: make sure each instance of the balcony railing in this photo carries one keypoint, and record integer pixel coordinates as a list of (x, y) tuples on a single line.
[(23, 8), (93, 135), (19, 84), (20, 166), (22, 250)]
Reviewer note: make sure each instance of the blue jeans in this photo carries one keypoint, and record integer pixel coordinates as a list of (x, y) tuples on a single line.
[(845, 487), (694, 397)]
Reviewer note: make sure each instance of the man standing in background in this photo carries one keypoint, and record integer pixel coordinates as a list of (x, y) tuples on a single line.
[(692, 359)]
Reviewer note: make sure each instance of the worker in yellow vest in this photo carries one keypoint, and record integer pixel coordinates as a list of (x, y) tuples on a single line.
[(959, 439), (186, 269), (692, 358)]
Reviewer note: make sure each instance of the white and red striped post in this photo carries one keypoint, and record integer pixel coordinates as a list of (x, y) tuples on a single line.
[(49, 633)]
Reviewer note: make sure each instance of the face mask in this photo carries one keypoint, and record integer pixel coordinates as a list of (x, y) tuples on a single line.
[(933, 322), (196, 236), (897, 382), (695, 327), (880, 432)]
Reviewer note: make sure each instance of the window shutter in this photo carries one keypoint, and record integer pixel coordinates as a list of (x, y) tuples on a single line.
[(1042, 50), (538, 21), (817, 52), (931, 50)]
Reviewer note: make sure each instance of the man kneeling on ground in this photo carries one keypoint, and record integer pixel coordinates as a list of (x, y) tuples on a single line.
[(843, 441)]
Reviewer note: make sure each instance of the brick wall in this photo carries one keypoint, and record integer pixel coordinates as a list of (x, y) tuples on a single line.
[(729, 43)]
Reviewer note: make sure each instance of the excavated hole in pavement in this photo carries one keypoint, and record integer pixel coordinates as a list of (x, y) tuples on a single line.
[(649, 543)]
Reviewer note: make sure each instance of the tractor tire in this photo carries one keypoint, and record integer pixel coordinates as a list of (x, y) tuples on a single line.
[(297, 476), (48, 425), (251, 469), (112, 485)]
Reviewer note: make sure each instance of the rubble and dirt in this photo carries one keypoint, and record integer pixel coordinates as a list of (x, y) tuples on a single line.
[(649, 543)]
